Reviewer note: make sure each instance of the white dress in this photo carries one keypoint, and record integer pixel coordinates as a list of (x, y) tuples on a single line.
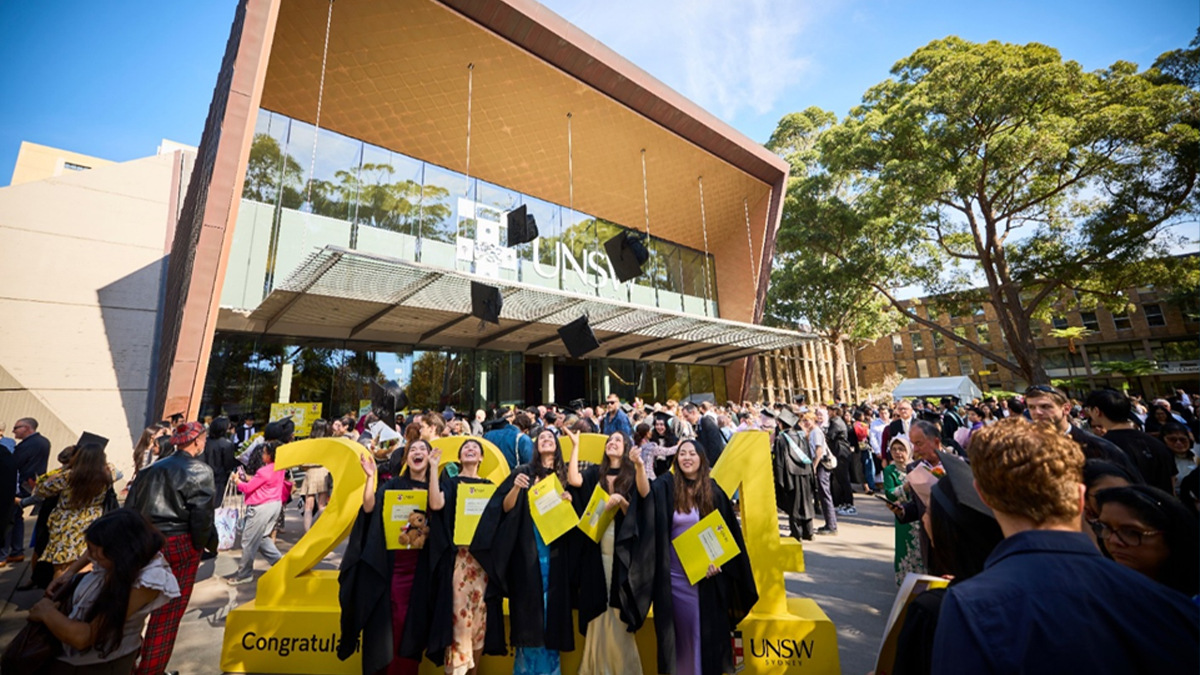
[(610, 648)]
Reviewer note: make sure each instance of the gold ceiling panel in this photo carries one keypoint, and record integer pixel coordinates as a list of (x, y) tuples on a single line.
[(397, 77)]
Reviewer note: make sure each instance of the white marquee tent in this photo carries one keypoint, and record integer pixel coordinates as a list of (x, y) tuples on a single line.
[(937, 387)]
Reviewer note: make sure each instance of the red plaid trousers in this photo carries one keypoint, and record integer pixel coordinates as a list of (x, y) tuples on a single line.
[(159, 639)]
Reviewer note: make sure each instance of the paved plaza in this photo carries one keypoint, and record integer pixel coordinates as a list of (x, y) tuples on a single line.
[(850, 576)]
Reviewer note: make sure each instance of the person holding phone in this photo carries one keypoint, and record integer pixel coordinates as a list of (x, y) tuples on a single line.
[(533, 575), (381, 618)]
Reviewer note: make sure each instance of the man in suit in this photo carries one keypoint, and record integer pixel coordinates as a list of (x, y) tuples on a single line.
[(32, 455), (707, 432), (898, 427), (1050, 405)]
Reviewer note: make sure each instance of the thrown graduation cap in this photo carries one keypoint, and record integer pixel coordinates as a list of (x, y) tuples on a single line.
[(578, 337), (627, 252), (522, 227), (486, 302), (88, 438)]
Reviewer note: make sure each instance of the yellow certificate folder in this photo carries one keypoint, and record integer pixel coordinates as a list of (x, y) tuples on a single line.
[(708, 542), (405, 519), (597, 516), (552, 515), (471, 501)]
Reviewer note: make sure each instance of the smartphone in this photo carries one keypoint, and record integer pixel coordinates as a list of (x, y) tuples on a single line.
[(883, 499)]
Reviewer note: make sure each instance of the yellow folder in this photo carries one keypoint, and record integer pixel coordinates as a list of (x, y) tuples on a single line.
[(597, 516), (553, 516), (405, 519), (708, 542), (472, 499)]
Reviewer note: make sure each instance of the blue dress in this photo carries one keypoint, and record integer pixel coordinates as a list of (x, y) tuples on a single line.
[(538, 660)]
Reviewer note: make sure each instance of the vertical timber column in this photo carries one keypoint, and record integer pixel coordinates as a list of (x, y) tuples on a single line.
[(200, 251)]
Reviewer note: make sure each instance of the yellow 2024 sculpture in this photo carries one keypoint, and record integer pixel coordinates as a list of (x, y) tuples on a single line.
[(292, 624)]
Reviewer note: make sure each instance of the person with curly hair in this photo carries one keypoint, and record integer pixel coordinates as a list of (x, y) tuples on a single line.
[(1047, 601)]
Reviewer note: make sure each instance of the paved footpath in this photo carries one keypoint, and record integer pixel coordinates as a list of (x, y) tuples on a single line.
[(850, 576)]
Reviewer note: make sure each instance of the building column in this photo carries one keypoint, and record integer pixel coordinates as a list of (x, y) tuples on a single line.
[(547, 379)]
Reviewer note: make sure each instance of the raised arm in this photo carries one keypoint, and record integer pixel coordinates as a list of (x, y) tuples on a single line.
[(519, 483), (368, 467), (574, 477), (639, 465), (437, 500)]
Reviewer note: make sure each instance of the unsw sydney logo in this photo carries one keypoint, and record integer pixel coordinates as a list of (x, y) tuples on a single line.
[(771, 651)]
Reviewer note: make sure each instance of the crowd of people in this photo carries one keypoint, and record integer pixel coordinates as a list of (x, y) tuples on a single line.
[(1091, 502)]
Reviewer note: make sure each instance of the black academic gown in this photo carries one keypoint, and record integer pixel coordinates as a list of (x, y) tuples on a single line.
[(793, 483), (725, 599), (504, 545), (430, 625), (365, 585), (629, 592)]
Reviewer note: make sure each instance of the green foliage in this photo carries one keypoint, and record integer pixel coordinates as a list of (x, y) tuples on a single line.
[(1004, 163)]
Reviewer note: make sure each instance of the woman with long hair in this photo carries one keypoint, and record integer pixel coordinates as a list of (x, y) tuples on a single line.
[(80, 489), (534, 575), (145, 452), (608, 612), (381, 618), (129, 580), (265, 493), (686, 643), (221, 455), (314, 490), (1149, 531), (448, 615)]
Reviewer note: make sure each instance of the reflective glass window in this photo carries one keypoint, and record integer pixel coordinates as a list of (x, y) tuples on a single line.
[(389, 196)]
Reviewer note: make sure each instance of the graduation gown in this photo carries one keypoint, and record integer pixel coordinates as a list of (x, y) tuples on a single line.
[(505, 547), (793, 479), (632, 577), (430, 625), (725, 599), (365, 582)]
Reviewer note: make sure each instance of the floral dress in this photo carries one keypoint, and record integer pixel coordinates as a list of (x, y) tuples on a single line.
[(908, 544), (67, 523), (470, 613)]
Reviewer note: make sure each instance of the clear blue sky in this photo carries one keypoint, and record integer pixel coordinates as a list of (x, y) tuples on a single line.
[(111, 79)]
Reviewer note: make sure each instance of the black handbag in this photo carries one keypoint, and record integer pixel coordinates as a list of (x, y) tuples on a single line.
[(35, 646)]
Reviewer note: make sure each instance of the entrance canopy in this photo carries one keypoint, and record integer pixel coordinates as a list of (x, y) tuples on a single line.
[(960, 386), (346, 294)]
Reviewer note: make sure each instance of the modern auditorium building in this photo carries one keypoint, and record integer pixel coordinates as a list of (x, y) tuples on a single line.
[(359, 160)]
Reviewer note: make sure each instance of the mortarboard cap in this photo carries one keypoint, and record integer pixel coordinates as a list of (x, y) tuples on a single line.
[(957, 487), (522, 227), (627, 408), (663, 415), (766, 412), (627, 253), (578, 337), (788, 418), (88, 438), (486, 302), (279, 430)]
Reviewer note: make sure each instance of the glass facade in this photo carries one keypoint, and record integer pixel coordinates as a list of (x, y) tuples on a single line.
[(371, 199), (246, 372)]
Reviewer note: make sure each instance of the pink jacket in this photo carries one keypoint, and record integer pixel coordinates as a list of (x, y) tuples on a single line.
[(266, 485)]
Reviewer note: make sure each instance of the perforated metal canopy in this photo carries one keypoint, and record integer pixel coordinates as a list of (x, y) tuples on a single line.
[(347, 294)]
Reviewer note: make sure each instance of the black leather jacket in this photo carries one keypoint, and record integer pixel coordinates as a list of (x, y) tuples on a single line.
[(176, 495)]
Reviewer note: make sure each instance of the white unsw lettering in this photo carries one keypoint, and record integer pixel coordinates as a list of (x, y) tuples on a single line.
[(595, 271)]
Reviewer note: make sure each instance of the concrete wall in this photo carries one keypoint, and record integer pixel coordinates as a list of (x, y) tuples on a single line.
[(37, 162), (82, 257)]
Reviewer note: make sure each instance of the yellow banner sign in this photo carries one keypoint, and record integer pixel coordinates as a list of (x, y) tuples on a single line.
[(302, 414)]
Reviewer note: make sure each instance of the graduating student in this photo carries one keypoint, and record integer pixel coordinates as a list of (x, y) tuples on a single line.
[(448, 616), (686, 642), (609, 647), (370, 566), (534, 576)]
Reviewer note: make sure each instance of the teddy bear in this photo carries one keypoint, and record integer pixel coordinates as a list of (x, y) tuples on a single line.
[(414, 533)]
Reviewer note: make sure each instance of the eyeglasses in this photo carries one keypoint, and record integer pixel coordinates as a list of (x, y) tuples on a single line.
[(1128, 536), (21, 426)]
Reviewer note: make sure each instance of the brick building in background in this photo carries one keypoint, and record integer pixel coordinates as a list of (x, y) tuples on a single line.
[(1154, 330)]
